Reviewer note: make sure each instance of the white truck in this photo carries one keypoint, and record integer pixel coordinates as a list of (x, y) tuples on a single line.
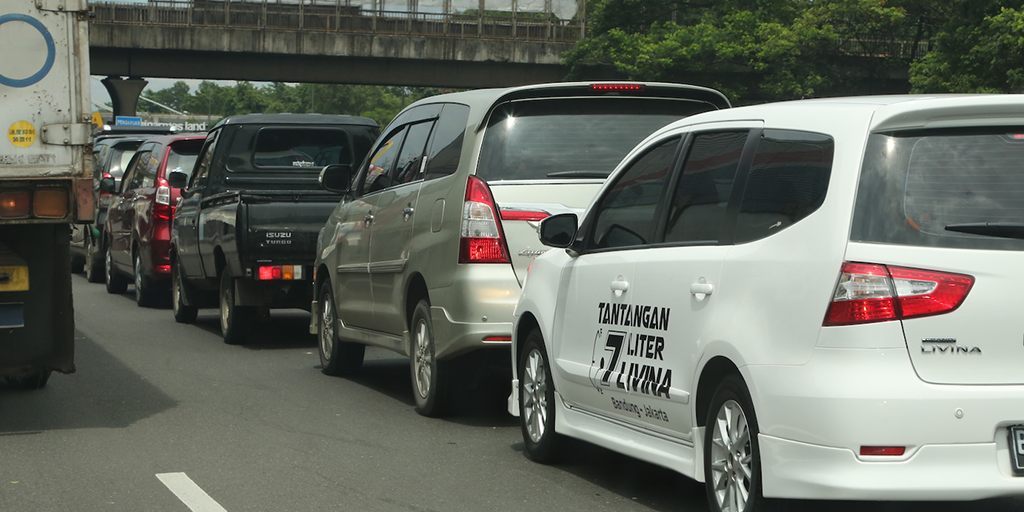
[(45, 181)]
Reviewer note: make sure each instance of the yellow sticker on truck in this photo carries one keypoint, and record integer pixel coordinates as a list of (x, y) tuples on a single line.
[(22, 134), (14, 278)]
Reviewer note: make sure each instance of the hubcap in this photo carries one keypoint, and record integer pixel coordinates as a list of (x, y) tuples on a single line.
[(176, 291), (138, 276), (731, 458), (225, 307), (108, 265), (535, 397), (423, 357), (327, 328)]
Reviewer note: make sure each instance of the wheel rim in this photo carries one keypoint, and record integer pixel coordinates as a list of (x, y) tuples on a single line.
[(225, 307), (108, 266), (535, 397), (326, 327), (138, 277), (423, 358), (731, 458), (176, 291)]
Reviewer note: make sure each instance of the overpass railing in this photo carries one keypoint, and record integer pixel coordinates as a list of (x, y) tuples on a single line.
[(492, 19)]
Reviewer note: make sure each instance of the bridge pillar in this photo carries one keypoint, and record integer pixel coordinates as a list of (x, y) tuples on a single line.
[(124, 94)]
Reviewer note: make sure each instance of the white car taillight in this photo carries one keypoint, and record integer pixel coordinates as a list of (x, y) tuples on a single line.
[(482, 240), (877, 293)]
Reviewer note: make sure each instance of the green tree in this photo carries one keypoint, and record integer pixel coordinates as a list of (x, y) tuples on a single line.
[(174, 97)]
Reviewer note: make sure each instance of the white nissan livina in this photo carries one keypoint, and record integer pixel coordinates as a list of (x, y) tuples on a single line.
[(812, 299)]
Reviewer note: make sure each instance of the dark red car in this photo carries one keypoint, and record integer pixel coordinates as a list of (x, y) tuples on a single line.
[(138, 224)]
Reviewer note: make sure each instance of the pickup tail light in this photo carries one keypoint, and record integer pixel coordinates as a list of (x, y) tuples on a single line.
[(482, 239), (877, 293), (279, 272)]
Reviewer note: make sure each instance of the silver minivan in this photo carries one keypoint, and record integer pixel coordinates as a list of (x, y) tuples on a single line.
[(427, 251)]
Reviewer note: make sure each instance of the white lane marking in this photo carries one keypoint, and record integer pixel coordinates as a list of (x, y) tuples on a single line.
[(194, 497)]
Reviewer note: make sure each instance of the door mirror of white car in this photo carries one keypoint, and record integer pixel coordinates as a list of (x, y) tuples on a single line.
[(177, 179), (336, 177), (559, 230)]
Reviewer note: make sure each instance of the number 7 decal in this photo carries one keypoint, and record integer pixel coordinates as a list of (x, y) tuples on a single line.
[(613, 343)]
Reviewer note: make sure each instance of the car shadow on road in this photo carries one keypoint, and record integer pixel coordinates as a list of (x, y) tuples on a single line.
[(280, 331), (103, 393), (665, 490)]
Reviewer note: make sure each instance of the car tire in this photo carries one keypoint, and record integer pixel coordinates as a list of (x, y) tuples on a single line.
[(337, 357), (235, 321), (116, 283), (430, 377), (35, 381), (145, 295), (537, 402), (93, 265), (732, 461), (182, 314)]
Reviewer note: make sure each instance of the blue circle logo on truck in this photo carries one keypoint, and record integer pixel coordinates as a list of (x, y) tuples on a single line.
[(50, 52)]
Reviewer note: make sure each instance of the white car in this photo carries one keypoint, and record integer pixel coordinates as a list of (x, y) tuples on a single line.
[(812, 299)]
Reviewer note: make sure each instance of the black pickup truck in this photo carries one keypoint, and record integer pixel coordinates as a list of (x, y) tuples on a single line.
[(245, 230)]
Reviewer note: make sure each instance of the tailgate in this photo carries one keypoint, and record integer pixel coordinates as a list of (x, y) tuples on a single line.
[(283, 229), (518, 200)]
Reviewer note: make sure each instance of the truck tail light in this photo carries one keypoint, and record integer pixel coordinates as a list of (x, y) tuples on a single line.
[(40, 203), (482, 238), (876, 293), (162, 208), (279, 272), (14, 204)]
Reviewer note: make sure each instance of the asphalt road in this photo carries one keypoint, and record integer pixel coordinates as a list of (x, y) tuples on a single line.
[(162, 416)]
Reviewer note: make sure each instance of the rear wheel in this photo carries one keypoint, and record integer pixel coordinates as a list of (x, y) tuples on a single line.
[(537, 402), (145, 295), (34, 381), (93, 265), (430, 377), (182, 314), (116, 283), (732, 461), (336, 357), (235, 321)]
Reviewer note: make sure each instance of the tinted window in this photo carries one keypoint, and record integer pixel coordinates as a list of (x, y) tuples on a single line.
[(915, 184), (410, 161), (571, 138), (136, 174), (446, 144), (787, 181), (182, 157), (698, 207), (379, 170), (626, 213), (301, 147), (202, 170), (119, 157)]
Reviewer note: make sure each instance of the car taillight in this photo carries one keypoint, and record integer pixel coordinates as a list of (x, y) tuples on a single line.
[(482, 239), (162, 208), (877, 293), (617, 87), (527, 215), (279, 272)]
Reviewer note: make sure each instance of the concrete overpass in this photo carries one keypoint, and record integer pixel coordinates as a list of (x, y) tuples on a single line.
[(431, 43)]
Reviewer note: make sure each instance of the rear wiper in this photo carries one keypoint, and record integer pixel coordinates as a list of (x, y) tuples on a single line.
[(577, 174), (998, 229)]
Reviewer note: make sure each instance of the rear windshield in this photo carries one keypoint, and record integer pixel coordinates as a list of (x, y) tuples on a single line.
[(122, 153), (924, 188), (571, 138), (182, 156), (293, 147)]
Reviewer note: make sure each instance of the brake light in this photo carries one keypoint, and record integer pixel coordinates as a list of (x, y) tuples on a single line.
[(482, 239), (877, 293), (894, 451), (14, 204), (617, 87), (527, 215), (162, 208)]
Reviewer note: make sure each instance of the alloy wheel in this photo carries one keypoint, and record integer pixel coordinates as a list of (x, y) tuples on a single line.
[(535, 401), (423, 358), (731, 458)]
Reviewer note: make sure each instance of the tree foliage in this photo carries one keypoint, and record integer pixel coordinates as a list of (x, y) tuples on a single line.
[(763, 50), (209, 99)]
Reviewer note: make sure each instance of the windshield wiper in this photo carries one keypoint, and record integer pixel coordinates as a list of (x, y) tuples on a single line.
[(997, 229), (577, 174)]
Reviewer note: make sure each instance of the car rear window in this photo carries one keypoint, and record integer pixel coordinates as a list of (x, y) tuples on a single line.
[(182, 156), (122, 153), (571, 138), (293, 147), (917, 188)]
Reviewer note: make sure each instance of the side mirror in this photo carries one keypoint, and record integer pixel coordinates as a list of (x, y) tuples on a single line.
[(559, 230), (336, 177), (177, 179), (108, 185)]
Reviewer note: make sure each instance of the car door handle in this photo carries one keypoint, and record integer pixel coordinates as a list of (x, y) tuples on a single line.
[(619, 286), (368, 219), (408, 211), (701, 289)]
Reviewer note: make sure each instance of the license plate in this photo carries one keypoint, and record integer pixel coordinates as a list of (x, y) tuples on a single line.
[(1017, 449)]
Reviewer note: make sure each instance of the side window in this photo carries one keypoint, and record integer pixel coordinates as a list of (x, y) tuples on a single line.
[(787, 182), (446, 144), (149, 166), (697, 210), (136, 174), (202, 171), (410, 161), (626, 215), (379, 174)]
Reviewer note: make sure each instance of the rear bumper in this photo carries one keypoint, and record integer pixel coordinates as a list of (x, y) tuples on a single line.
[(478, 305), (814, 418)]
